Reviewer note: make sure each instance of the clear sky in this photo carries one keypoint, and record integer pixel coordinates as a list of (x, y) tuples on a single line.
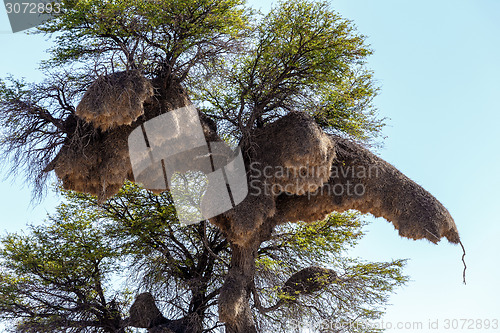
[(438, 64)]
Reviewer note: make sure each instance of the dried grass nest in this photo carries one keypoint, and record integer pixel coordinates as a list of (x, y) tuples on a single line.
[(310, 189), (292, 155), (95, 158), (115, 99)]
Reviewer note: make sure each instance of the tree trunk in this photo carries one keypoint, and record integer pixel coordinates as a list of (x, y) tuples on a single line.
[(234, 307)]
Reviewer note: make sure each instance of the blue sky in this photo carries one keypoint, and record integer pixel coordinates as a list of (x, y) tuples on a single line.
[(437, 63)]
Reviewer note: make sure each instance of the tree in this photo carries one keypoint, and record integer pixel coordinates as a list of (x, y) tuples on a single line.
[(289, 87), (56, 277), (61, 276)]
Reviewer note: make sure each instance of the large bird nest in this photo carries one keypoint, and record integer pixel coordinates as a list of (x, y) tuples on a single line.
[(298, 173), (293, 156), (114, 100), (383, 192), (95, 162), (95, 157)]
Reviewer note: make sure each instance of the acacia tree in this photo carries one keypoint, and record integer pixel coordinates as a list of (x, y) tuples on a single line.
[(62, 276), (56, 277), (290, 87)]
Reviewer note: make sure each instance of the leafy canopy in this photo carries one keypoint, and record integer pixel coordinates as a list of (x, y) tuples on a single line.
[(145, 34), (64, 275), (241, 68), (300, 56)]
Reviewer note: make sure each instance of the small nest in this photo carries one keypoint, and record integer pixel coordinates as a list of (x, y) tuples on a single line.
[(388, 193), (308, 281), (114, 100), (144, 313), (294, 154)]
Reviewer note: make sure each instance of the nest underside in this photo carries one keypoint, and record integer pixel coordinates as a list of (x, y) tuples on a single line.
[(349, 177)]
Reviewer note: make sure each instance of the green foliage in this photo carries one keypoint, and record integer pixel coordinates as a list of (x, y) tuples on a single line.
[(57, 277), (300, 56), (136, 33), (63, 275)]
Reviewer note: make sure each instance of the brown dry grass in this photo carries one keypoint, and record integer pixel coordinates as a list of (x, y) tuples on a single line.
[(114, 100), (387, 193), (293, 155), (96, 161), (308, 281), (295, 141)]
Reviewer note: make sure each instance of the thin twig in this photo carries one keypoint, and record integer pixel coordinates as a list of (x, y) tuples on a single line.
[(209, 249), (463, 260)]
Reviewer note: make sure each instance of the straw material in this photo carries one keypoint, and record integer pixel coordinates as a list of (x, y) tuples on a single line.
[(96, 161), (383, 192), (334, 174), (114, 100), (233, 297)]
